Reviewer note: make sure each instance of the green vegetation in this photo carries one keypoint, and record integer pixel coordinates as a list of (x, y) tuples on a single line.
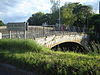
[(1, 23), (72, 14), (94, 27), (19, 45), (28, 55)]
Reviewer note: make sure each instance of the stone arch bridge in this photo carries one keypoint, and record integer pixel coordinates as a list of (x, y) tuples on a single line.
[(47, 36), (53, 40)]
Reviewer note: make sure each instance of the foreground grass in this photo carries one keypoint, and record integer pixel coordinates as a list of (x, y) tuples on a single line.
[(47, 62)]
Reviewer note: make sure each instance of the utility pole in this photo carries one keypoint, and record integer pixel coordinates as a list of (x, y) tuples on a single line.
[(56, 5), (59, 15)]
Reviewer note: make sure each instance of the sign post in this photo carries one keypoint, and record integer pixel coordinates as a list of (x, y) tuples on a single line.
[(10, 34), (25, 34), (0, 35)]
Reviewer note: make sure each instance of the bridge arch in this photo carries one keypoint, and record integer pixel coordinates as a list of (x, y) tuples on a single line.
[(69, 46)]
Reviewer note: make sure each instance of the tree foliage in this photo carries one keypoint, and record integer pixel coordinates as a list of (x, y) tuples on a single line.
[(71, 14), (75, 14), (94, 27), (36, 19), (94, 23), (1, 23), (83, 13), (67, 15)]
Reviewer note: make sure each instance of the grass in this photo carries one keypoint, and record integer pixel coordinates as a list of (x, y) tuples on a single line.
[(19, 45), (28, 55)]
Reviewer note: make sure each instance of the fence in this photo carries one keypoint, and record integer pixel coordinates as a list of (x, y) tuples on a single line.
[(39, 31)]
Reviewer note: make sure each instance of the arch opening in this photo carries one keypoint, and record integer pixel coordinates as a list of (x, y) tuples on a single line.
[(70, 46)]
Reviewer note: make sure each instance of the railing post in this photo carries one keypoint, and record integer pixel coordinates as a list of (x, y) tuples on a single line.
[(10, 34), (25, 34)]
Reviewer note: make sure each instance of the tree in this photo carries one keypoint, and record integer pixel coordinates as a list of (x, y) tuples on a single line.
[(94, 27), (1, 23), (67, 15), (55, 11), (35, 19), (75, 14), (72, 14), (95, 23), (83, 13), (40, 18)]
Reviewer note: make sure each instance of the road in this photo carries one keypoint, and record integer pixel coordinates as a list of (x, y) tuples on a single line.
[(6, 69), (4, 72)]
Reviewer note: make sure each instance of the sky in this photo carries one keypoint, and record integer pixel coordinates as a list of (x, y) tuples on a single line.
[(21, 10)]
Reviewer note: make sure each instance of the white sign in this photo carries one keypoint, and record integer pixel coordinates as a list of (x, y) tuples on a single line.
[(20, 26), (0, 35)]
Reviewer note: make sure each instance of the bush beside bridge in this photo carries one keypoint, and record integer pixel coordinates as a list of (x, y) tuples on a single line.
[(28, 55)]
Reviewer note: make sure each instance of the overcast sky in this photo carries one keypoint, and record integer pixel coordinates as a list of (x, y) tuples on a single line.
[(21, 10)]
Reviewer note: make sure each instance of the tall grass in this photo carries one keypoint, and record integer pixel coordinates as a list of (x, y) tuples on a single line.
[(19, 45), (47, 62)]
